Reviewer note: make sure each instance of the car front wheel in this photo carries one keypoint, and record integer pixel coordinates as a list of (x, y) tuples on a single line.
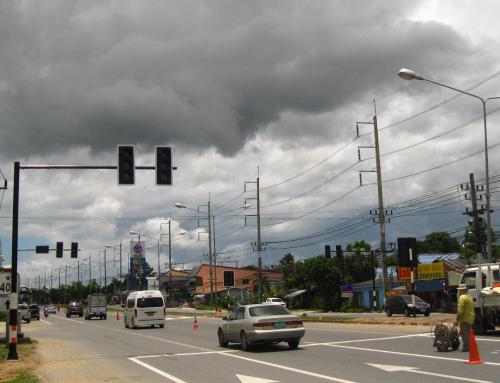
[(406, 312), (388, 312), (222, 341)]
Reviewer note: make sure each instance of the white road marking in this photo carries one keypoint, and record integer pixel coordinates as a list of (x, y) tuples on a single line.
[(200, 353), (174, 318), (253, 379), (296, 370), (423, 335), (44, 321), (415, 370), (158, 371), (353, 331), (407, 354)]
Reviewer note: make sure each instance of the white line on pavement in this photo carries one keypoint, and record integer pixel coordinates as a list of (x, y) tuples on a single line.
[(200, 353), (44, 321), (407, 354), (424, 335), (280, 366), (158, 371)]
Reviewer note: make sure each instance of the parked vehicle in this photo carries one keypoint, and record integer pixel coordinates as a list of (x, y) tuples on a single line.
[(402, 304), (144, 308), (74, 308), (96, 307), (35, 312), (483, 282), (24, 312), (264, 323), (275, 301)]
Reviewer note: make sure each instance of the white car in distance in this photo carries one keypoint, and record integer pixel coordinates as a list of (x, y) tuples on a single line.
[(275, 301)]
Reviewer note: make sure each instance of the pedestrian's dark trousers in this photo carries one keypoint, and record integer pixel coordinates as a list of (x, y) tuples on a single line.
[(464, 333)]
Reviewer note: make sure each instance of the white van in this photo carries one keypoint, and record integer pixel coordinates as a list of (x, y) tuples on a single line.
[(144, 308)]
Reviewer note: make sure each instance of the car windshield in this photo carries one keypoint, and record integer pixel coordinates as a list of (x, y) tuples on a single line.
[(407, 298), (150, 302), (258, 311)]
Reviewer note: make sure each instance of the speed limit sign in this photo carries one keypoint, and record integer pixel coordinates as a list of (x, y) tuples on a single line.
[(5, 289)]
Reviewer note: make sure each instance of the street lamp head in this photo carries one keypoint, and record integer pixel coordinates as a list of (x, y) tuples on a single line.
[(408, 74), (180, 205), (246, 206), (181, 233), (133, 232)]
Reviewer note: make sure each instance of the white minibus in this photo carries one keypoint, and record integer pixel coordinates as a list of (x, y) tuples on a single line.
[(144, 308)]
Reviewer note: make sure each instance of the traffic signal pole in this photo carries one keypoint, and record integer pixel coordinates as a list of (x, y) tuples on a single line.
[(12, 355)]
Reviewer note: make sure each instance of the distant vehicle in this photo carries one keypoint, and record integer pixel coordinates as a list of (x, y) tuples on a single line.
[(264, 323), (275, 301), (402, 304), (24, 311), (34, 312), (144, 308), (51, 309), (74, 308), (96, 307)]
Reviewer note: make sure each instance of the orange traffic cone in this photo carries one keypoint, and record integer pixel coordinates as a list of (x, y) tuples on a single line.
[(474, 357), (195, 324), (117, 315)]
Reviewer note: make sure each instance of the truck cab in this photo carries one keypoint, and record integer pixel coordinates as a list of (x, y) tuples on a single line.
[(482, 281)]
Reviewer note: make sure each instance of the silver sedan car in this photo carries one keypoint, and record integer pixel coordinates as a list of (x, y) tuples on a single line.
[(262, 323)]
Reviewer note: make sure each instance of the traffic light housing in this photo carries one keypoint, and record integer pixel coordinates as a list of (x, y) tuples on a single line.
[(404, 247), (59, 249), (74, 249), (163, 165), (338, 251), (328, 253), (126, 165)]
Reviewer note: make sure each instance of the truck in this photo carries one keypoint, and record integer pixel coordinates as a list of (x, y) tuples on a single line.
[(96, 307), (483, 282)]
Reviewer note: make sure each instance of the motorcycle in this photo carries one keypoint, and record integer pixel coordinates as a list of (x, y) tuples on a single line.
[(46, 312)]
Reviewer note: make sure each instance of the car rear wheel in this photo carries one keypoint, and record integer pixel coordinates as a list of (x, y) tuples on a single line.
[(293, 343), (427, 313), (134, 326), (244, 341), (162, 325), (388, 312), (125, 321), (406, 312), (222, 341)]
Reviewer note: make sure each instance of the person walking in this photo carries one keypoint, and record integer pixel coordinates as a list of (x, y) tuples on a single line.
[(465, 315)]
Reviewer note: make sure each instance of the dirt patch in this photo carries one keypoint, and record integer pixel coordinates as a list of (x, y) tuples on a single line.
[(28, 361)]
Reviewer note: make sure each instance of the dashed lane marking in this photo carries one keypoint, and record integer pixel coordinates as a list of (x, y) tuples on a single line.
[(158, 371)]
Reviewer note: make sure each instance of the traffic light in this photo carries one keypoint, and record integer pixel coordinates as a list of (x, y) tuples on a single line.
[(126, 165), (405, 246), (59, 249), (163, 165), (74, 249), (328, 253), (340, 254)]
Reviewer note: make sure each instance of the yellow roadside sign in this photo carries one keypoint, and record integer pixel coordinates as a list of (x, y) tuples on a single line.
[(431, 271)]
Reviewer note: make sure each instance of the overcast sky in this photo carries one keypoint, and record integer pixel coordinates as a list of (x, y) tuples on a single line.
[(240, 89)]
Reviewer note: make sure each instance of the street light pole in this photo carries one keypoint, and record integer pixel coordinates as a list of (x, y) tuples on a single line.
[(408, 74)]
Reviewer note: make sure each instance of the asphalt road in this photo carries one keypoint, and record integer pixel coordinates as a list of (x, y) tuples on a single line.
[(75, 350)]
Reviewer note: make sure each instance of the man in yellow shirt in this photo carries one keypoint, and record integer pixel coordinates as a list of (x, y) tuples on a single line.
[(465, 315)]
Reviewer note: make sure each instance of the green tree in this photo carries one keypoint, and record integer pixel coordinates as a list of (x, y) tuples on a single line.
[(286, 265), (358, 265), (320, 277), (438, 242)]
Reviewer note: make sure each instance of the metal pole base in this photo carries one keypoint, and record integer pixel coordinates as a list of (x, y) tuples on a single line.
[(12, 352)]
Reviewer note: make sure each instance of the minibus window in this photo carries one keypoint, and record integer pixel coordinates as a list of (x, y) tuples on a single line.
[(149, 302)]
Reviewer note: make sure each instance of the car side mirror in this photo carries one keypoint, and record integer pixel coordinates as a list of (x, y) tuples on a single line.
[(224, 318)]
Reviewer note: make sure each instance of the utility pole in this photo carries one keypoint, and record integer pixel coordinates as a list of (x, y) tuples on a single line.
[(257, 245), (59, 268), (121, 276), (90, 274), (210, 259), (169, 261), (51, 279), (214, 258), (105, 275), (66, 275), (475, 216), (381, 212)]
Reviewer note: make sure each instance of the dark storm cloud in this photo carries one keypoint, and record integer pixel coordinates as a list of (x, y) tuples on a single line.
[(195, 73)]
